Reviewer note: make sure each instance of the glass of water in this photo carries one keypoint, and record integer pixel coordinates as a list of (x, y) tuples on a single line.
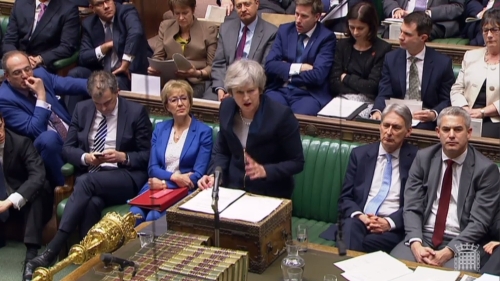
[(295, 274), (145, 238), (330, 277), (302, 237)]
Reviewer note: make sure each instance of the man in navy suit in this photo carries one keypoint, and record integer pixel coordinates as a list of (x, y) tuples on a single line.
[(31, 107), (371, 202), (300, 61), (427, 75), (46, 30), (108, 144)]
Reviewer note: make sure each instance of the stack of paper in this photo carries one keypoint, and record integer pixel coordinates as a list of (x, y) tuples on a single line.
[(430, 274), (342, 108), (202, 202), (488, 277), (244, 208)]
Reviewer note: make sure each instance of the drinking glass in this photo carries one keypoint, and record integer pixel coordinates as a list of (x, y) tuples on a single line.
[(302, 237), (330, 277), (145, 238), (295, 274)]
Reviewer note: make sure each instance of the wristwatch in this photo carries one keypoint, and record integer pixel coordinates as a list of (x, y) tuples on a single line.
[(482, 113)]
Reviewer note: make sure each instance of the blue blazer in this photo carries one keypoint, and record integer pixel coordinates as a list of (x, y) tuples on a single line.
[(26, 119), (195, 155), (437, 79), (319, 52), (359, 176), (128, 38)]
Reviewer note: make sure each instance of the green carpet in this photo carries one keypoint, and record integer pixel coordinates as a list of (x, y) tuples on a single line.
[(11, 263)]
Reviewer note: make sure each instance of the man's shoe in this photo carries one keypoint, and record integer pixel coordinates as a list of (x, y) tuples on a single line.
[(46, 259)]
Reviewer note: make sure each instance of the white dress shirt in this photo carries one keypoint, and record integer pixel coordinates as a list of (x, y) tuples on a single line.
[(110, 142), (295, 67), (391, 202), (173, 151), (114, 56), (38, 9), (250, 33), (17, 199), (409, 7)]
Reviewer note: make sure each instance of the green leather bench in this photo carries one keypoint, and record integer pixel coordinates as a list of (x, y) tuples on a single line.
[(60, 64), (317, 188)]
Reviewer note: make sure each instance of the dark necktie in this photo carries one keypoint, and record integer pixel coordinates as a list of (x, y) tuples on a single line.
[(241, 45), (58, 125), (108, 36), (99, 140), (300, 48), (43, 7), (444, 205), (3, 194)]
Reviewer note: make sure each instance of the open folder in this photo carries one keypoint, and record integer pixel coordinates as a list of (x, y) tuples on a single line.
[(342, 108), (168, 68), (159, 199)]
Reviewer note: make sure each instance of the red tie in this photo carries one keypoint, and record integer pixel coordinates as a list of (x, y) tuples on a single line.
[(241, 45), (496, 4), (444, 205)]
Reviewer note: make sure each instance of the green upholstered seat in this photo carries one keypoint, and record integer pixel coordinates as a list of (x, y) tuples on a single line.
[(452, 41), (60, 64)]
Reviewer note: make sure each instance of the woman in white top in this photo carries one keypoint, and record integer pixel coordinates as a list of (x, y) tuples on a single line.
[(180, 147), (477, 88)]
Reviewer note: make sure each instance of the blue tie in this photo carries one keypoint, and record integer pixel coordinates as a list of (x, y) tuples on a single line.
[(376, 202), (300, 48), (3, 194)]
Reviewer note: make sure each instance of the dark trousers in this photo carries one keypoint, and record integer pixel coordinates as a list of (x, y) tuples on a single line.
[(357, 237), (492, 266), (95, 191), (49, 146), (299, 100)]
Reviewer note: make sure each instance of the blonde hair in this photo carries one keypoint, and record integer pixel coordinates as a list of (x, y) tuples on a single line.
[(173, 86)]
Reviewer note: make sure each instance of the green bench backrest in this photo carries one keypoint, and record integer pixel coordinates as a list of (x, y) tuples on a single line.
[(4, 21)]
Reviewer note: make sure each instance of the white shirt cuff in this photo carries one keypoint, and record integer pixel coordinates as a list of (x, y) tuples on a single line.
[(295, 69), (128, 57), (17, 200), (356, 213), (413, 240), (44, 104), (82, 159), (429, 13), (391, 223), (98, 53)]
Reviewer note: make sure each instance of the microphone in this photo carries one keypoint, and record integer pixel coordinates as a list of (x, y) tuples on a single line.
[(215, 189), (108, 259), (339, 239)]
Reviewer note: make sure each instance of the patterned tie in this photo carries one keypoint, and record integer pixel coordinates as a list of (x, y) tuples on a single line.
[(241, 45), (99, 140), (108, 36), (3, 194), (300, 47), (43, 7), (496, 4), (58, 125), (376, 202), (444, 205), (420, 5), (414, 83)]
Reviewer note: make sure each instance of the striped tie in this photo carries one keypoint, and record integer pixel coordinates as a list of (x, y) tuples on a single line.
[(99, 140)]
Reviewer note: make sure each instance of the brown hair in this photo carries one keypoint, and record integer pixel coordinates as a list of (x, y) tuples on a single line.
[(364, 12), (182, 3), (422, 20), (176, 85), (492, 17), (317, 5)]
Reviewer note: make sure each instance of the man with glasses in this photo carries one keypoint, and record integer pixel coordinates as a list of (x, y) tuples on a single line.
[(246, 37), (108, 144), (30, 103)]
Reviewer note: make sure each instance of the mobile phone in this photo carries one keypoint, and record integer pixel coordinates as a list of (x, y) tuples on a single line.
[(98, 155)]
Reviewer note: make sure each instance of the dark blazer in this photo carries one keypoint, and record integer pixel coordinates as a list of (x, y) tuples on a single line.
[(128, 38), (24, 118), (274, 6), (319, 52), (273, 141), (56, 36), (472, 30), (437, 79), (359, 177), (195, 155), (133, 136), (352, 83), (477, 194), (23, 167)]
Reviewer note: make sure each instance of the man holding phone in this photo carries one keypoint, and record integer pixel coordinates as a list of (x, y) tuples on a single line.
[(108, 142)]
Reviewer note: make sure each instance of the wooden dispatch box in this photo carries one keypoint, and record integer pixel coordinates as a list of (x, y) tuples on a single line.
[(264, 241)]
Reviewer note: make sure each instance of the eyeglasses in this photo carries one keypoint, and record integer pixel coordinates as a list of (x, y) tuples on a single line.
[(175, 100), (493, 30)]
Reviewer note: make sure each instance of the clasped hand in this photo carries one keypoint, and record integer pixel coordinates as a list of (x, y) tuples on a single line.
[(428, 256), (375, 224), (107, 156), (424, 115), (182, 180)]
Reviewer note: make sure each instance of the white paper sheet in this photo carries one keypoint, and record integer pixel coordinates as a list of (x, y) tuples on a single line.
[(488, 277), (215, 13), (422, 273), (181, 62), (167, 68), (339, 107), (245, 208), (145, 84), (337, 12), (202, 202), (477, 126), (413, 105)]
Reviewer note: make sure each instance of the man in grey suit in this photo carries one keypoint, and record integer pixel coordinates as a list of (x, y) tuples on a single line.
[(451, 195), (248, 36), (444, 14)]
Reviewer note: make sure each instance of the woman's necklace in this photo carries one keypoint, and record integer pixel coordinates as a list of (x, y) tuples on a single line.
[(247, 123), (492, 64)]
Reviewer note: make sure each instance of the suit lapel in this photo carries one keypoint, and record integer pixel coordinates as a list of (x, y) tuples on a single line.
[(7, 151), (233, 41), (311, 41), (369, 166), (189, 138), (121, 121), (257, 38), (433, 181), (402, 72), (292, 45), (30, 15), (51, 10), (98, 31), (165, 137), (426, 73), (89, 116), (171, 44), (465, 182), (196, 34)]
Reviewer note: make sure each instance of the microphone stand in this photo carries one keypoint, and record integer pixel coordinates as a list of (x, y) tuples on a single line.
[(215, 208)]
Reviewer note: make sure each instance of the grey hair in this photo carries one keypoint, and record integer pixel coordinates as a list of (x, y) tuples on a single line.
[(101, 81), (245, 72), (402, 110), (454, 111)]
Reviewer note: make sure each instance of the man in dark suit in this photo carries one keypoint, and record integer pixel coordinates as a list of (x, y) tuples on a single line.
[(31, 105), (25, 195), (492, 249), (450, 195), (416, 72), (300, 61), (108, 144), (444, 14), (371, 201), (47, 32), (249, 37)]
